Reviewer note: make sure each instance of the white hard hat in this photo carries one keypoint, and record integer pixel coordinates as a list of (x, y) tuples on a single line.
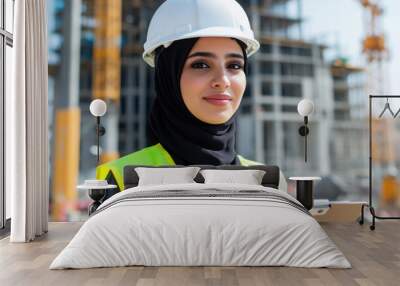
[(197, 18)]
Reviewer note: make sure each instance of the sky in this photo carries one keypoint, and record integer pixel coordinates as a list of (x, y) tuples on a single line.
[(339, 23)]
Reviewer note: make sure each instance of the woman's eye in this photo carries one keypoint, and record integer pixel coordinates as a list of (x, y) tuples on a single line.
[(236, 66), (199, 65)]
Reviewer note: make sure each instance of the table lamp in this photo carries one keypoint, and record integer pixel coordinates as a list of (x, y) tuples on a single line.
[(98, 108), (305, 107)]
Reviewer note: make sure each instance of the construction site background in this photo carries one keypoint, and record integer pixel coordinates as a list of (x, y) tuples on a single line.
[(95, 49)]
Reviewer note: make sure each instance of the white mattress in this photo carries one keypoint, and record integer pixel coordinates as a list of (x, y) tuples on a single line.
[(189, 230)]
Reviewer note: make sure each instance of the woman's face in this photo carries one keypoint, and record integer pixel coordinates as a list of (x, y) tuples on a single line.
[(213, 80)]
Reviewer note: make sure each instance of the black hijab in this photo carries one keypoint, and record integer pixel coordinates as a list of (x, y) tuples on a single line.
[(187, 139)]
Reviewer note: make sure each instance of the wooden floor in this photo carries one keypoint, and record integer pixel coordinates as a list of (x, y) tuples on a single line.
[(374, 255)]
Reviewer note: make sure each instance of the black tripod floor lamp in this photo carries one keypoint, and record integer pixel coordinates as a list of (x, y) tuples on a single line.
[(370, 203)]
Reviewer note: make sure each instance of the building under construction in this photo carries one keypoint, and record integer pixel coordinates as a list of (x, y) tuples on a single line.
[(349, 132), (109, 36), (284, 71)]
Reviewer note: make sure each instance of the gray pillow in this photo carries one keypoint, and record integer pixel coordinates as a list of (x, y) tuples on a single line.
[(162, 176), (248, 177)]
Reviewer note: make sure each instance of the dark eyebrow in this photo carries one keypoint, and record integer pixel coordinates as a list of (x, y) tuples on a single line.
[(211, 55)]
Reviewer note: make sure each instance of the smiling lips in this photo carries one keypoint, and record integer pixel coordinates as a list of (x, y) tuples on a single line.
[(218, 99)]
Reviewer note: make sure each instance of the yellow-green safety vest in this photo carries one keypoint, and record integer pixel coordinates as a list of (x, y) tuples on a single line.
[(154, 155)]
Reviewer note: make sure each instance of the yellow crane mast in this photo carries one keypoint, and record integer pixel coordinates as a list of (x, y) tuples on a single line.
[(383, 130)]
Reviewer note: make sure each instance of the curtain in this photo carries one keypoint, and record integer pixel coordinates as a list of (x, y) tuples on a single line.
[(26, 124)]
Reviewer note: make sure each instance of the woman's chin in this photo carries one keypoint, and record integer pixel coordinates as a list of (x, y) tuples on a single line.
[(215, 120)]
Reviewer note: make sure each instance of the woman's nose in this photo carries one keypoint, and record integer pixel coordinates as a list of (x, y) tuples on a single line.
[(221, 80)]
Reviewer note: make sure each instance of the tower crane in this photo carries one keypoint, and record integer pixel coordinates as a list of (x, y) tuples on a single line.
[(376, 52), (374, 46)]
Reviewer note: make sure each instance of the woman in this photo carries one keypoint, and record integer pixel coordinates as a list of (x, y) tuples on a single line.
[(200, 62)]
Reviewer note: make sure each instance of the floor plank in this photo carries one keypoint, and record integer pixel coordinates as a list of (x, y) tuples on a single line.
[(374, 255)]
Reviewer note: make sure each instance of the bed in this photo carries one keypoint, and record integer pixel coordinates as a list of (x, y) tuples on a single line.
[(201, 224)]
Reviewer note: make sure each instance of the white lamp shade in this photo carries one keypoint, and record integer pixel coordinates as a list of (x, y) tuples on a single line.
[(98, 107), (305, 107)]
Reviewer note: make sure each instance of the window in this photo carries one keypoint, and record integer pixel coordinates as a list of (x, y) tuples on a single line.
[(6, 44), (266, 88), (291, 89), (295, 69)]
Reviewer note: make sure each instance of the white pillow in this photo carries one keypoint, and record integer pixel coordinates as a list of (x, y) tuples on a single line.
[(161, 176), (249, 177)]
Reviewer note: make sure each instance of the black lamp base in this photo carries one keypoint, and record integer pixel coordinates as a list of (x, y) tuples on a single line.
[(96, 195), (304, 130), (304, 193)]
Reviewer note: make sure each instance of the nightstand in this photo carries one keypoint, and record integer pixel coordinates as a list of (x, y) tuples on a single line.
[(97, 191), (304, 190)]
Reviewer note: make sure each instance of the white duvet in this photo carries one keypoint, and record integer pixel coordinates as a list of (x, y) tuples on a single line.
[(207, 230)]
